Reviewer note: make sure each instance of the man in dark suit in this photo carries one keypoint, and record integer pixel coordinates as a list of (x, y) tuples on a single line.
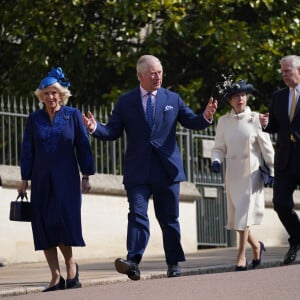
[(284, 119), (153, 164)]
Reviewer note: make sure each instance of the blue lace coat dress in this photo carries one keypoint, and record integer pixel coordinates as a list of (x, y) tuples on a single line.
[(50, 157)]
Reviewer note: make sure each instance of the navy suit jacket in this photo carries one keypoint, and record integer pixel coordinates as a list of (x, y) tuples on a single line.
[(129, 115), (279, 123)]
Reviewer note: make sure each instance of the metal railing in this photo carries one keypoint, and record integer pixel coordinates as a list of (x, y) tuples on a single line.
[(108, 154), (211, 208)]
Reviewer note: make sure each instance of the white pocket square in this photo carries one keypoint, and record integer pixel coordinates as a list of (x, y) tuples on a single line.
[(168, 107)]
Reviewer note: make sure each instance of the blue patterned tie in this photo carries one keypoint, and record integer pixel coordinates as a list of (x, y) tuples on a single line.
[(149, 110)]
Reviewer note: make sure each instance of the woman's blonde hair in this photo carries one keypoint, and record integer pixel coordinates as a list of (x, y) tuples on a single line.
[(64, 93)]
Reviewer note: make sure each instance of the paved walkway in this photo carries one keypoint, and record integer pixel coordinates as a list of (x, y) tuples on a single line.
[(20, 279)]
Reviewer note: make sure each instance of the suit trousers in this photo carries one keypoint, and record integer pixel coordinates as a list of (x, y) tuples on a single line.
[(286, 182), (166, 207)]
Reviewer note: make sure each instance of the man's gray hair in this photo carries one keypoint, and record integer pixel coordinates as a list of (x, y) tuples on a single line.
[(144, 61), (294, 60)]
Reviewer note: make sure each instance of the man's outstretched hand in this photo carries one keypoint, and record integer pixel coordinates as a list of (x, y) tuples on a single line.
[(210, 108), (89, 121)]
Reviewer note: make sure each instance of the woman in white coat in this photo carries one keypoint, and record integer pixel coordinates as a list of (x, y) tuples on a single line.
[(241, 141)]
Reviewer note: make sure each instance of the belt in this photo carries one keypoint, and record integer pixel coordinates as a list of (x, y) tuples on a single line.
[(292, 138)]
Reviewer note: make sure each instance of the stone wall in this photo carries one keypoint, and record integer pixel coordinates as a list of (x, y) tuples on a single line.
[(104, 221)]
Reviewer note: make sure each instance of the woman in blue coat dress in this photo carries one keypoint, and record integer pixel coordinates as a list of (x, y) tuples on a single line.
[(55, 146)]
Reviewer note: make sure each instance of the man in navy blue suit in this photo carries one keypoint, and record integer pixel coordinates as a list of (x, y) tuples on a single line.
[(283, 118), (153, 164)]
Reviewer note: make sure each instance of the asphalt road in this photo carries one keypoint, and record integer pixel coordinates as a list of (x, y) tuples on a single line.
[(270, 283)]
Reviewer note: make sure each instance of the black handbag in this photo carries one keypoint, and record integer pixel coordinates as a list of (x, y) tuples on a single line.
[(20, 210)]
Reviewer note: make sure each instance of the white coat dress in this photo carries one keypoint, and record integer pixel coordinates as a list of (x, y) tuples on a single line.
[(241, 141)]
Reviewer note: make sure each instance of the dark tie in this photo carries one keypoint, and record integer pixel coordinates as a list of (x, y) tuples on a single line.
[(149, 110)]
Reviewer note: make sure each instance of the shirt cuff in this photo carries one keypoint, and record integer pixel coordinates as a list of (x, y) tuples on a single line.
[(209, 121), (91, 132)]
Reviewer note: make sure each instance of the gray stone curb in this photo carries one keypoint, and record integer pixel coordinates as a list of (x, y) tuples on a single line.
[(152, 275)]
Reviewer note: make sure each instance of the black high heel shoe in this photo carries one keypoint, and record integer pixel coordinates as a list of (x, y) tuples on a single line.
[(60, 286), (257, 262), (242, 268), (74, 282)]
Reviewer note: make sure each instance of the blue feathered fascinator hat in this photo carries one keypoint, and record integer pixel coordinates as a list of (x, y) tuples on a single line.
[(55, 75)]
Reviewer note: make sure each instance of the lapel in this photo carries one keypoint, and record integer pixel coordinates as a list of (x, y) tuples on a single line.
[(138, 103), (297, 109), (159, 107), (283, 104), (297, 106)]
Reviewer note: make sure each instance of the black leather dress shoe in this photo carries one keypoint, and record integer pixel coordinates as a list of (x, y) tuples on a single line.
[(128, 267), (173, 271), (74, 282), (291, 254), (60, 286)]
